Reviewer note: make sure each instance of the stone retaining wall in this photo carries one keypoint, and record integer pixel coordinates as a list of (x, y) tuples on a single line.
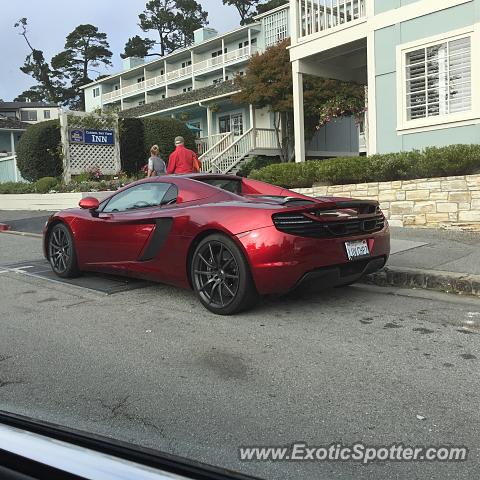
[(428, 202)]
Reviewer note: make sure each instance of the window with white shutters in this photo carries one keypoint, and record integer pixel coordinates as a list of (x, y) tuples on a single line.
[(439, 79)]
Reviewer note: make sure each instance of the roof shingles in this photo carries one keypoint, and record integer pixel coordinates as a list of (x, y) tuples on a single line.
[(198, 95), (16, 105)]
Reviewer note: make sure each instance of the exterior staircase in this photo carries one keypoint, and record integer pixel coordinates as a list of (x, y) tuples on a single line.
[(229, 153)]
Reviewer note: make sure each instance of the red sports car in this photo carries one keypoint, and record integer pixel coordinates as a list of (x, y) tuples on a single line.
[(228, 238)]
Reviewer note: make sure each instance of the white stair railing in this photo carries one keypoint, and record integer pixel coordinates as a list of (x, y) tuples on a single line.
[(234, 153), (206, 159), (205, 143)]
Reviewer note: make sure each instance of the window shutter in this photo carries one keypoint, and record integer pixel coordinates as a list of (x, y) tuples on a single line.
[(438, 79)]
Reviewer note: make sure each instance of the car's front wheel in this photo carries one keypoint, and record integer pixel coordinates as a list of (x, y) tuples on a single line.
[(61, 252), (221, 276)]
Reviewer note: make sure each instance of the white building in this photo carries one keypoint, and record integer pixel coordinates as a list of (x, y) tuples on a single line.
[(195, 84), (29, 112), (419, 59)]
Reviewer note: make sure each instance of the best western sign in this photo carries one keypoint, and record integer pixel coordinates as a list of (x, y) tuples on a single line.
[(92, 137)]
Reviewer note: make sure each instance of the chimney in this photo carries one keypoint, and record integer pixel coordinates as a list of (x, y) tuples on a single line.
[(204, 33), (131, 62)]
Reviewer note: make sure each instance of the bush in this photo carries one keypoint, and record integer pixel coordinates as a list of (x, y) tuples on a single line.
[(38, 152), (256, 163), (45, 184), (162, 131), (431, 162), (138, 135), (17, 187), (132, 145)]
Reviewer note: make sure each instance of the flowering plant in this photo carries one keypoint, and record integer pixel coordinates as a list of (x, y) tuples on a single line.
[(94, 173), (341, 106)]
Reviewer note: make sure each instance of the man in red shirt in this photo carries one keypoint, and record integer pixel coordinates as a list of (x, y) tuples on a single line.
[(182, 160)]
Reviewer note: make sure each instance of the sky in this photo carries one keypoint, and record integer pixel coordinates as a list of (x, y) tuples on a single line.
[(50, 21)]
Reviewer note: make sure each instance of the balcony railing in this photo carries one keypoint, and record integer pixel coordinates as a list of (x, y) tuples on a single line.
[(240, 53), (135, 87), (155, 81), (206, 64), (317, 16), (112, 95), (180, 72), (160, 80), (266, 138)]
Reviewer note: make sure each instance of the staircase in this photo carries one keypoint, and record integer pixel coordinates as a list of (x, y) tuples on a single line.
[(217, 148), (228, 155)]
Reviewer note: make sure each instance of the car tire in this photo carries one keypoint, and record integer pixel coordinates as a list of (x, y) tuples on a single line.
[(221, 276), (61, 252)]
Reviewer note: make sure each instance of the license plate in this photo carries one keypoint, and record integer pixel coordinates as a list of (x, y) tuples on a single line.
[(357, 249)]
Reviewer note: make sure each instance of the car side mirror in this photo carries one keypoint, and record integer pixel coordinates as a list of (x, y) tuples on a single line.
[(89, 203)]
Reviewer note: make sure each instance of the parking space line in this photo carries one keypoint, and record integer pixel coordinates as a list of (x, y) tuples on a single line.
[(16, 269), (104, 284)]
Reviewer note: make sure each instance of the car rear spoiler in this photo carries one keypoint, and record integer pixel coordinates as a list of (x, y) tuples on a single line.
[(362, 206)]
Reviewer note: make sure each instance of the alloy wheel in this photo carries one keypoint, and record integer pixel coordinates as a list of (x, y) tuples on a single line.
[(216, 274), (60, 250)]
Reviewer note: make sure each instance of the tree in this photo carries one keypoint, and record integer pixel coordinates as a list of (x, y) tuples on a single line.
[(245, 8), (270, 5), (268, 83), (189, 18), (85, 48), (138, 47), (33, 94), (50, 85), (174, 21)]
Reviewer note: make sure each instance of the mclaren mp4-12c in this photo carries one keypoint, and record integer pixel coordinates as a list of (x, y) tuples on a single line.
[(228, 238)]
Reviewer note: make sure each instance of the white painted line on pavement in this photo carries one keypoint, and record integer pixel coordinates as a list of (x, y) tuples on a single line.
[(23, 234), (16, 269)]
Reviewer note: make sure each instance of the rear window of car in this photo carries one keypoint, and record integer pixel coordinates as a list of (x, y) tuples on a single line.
[(233, 186)]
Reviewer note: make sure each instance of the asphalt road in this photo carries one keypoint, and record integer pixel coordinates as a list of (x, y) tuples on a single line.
[(151, 366)]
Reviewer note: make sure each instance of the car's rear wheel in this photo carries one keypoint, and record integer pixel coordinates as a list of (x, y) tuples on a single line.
[(221, 276), (61, 252)]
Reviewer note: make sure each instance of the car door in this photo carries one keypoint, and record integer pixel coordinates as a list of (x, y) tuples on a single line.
[(118, 232)]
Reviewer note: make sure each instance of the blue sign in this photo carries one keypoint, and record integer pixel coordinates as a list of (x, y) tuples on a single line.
[(99, 137), (76, 136)]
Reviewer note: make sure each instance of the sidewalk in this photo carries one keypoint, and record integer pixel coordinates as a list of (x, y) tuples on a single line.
[(444, 260), (446, 250)]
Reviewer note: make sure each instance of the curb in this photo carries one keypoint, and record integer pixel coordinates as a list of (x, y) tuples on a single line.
[(4, 227), (448, 282)]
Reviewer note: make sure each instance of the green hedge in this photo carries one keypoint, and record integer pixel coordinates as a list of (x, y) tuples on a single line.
[(17, 187), (132, 145), (38, 151), (431, 162), (256, 163), (138, 135)]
